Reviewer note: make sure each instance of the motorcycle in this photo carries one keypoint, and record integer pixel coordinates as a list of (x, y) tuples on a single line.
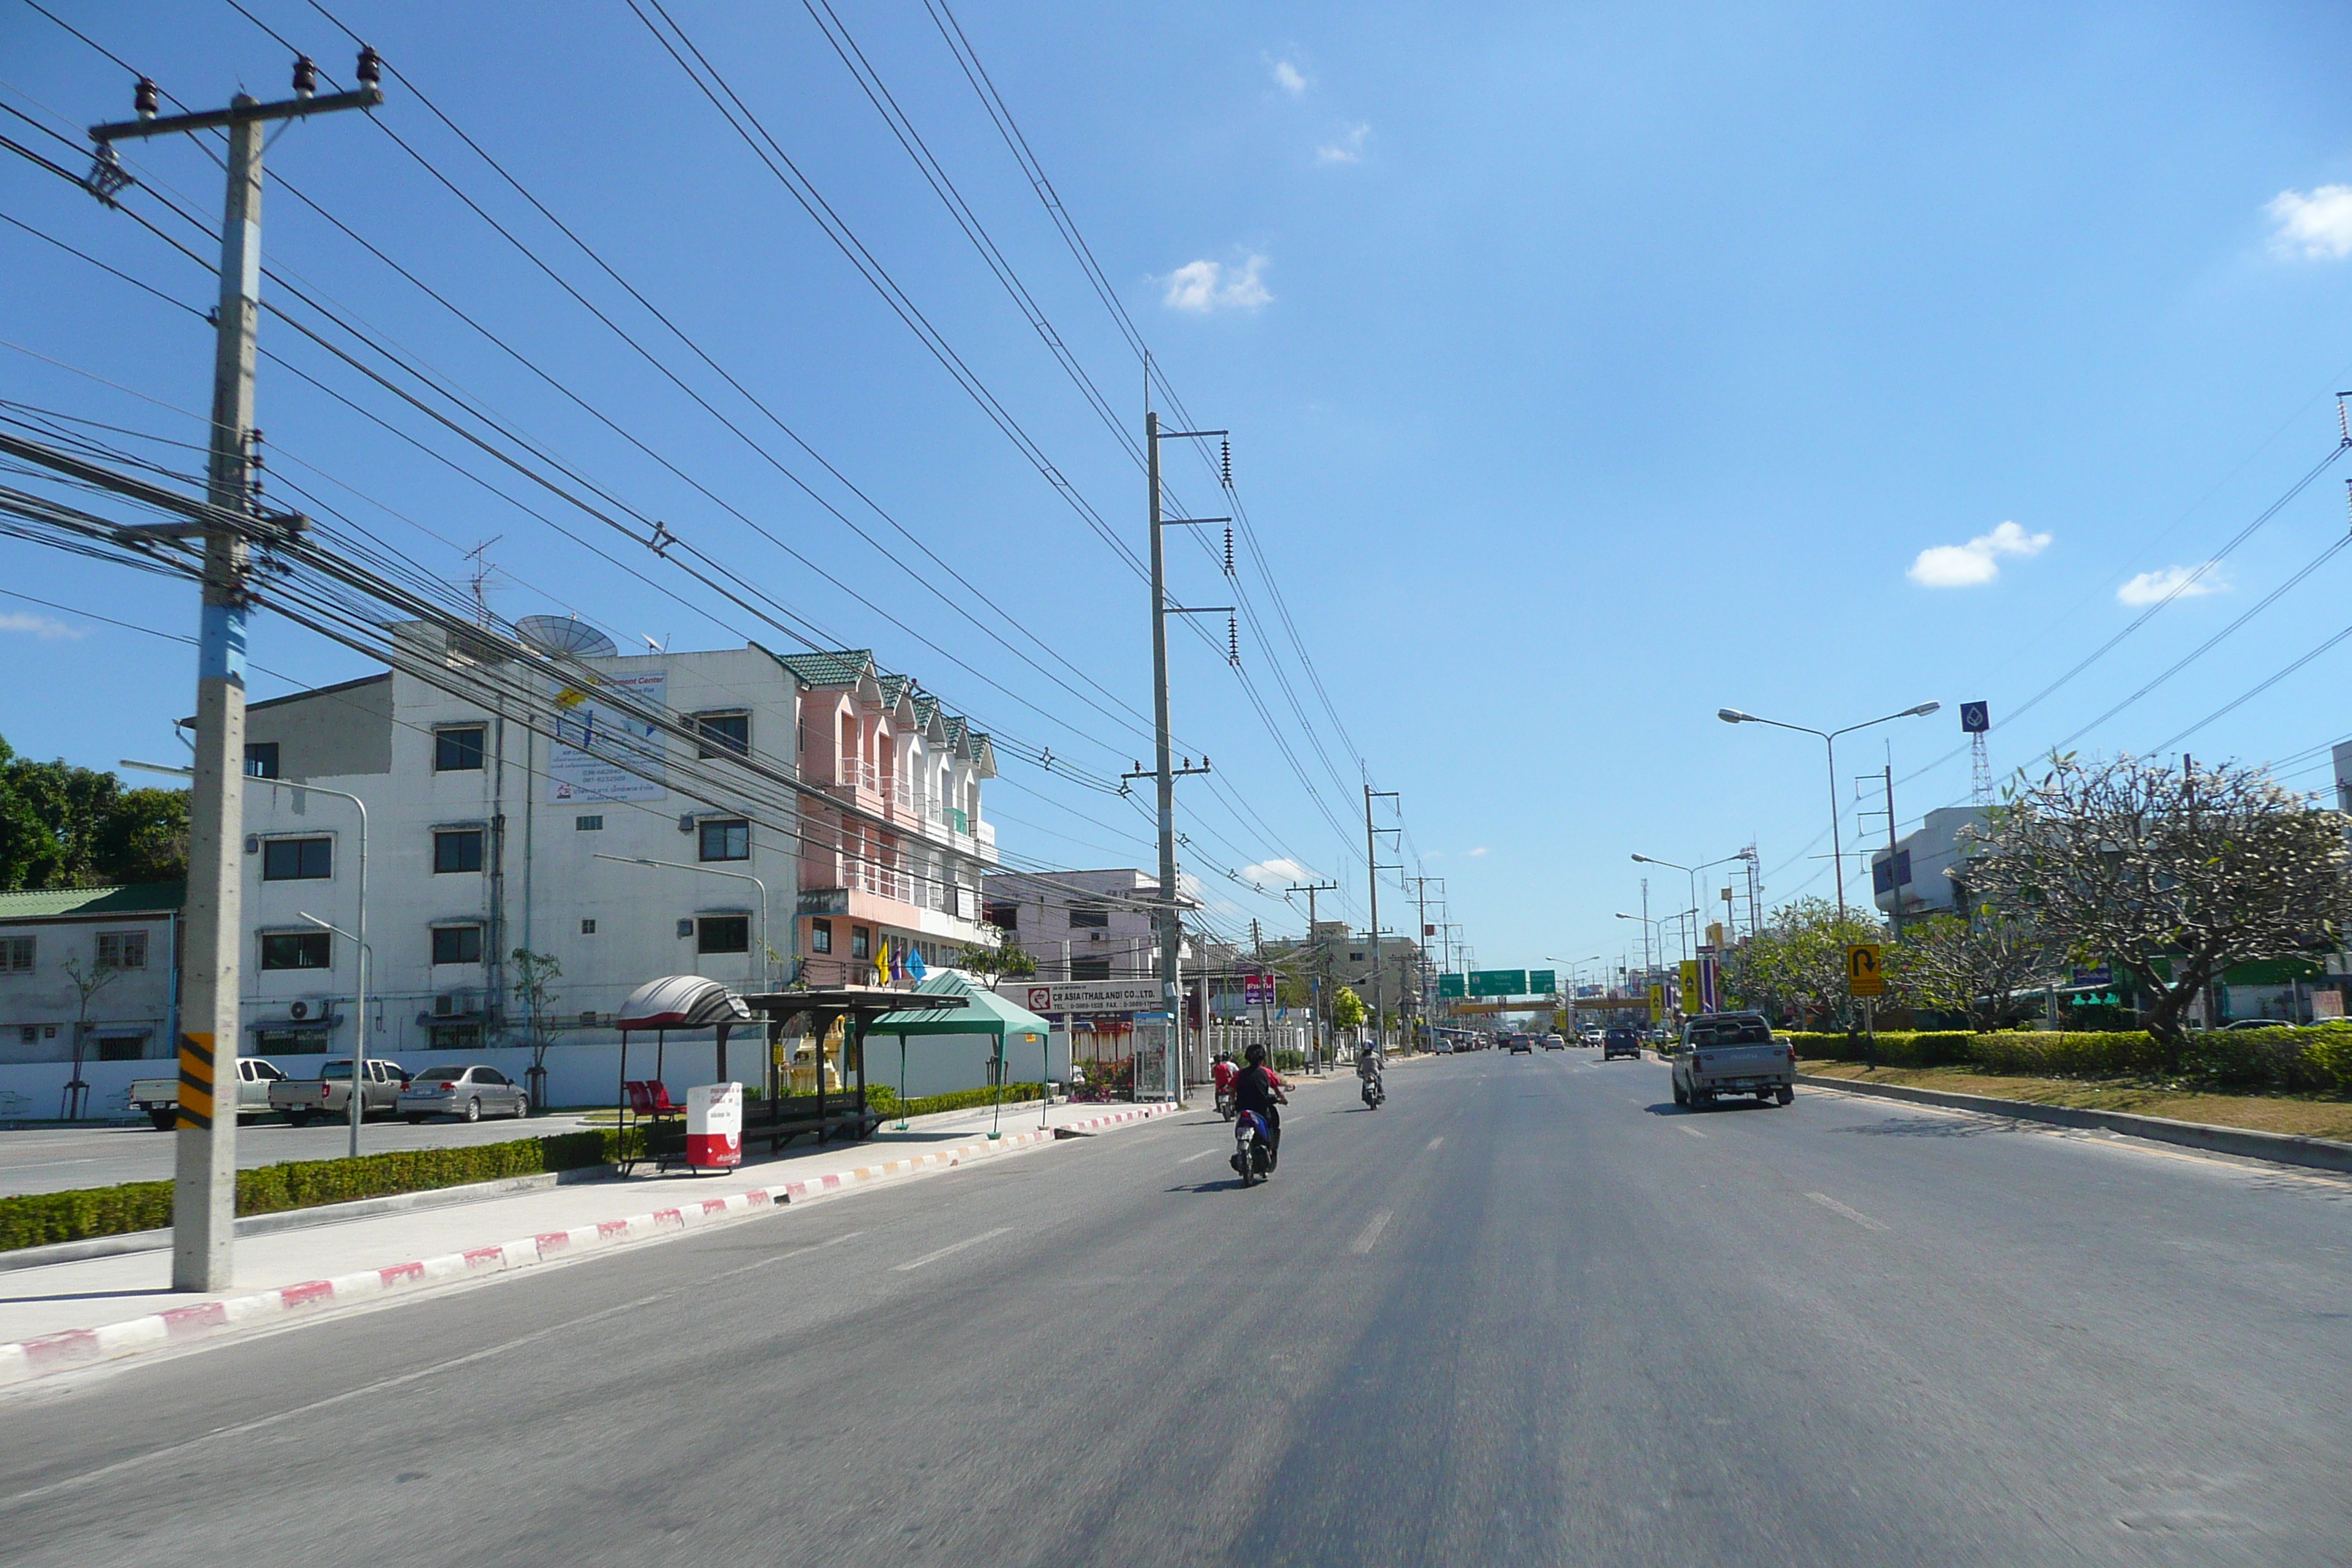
[(1253, 1158), (1225, 1103), (1374, 1091)]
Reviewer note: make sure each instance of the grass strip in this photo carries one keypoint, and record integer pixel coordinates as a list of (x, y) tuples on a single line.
[(2304, 1116)]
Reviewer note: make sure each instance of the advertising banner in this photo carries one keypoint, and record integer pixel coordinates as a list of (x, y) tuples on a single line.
[(1047, 997), (599, 753), (714, 1126)]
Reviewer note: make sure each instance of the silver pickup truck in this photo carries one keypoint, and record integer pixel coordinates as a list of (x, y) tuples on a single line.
[(1732, 1053), (159, 1097), (330, 1094)]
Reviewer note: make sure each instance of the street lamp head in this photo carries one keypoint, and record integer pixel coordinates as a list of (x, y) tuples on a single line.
[(1922, 710), (1733, 716), (1644, 860), (1626, 917)]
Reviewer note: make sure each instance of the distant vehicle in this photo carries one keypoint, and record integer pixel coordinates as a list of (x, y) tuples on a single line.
[(470, 1092), (1621, 1042), (1554, 1043), (1523, 1045), (2258, 1024), (159, 1097), (1732, 1053), (329, 1093)]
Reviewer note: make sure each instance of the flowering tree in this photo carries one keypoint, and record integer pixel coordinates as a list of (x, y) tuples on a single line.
[(1973, 964), (2172, 875), (1797, 962)]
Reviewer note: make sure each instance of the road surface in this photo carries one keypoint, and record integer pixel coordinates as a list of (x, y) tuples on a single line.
[(1527, 1313)]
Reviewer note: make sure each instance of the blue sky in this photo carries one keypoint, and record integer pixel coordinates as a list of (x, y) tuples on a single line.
[(1591, 368)]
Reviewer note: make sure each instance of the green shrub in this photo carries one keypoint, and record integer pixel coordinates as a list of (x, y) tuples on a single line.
[(884, 1101), (2027, 1053), (36, 1219), (2327, 1061)]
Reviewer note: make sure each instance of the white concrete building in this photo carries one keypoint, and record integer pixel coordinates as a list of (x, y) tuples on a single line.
[(1919, 870), (97, 963)]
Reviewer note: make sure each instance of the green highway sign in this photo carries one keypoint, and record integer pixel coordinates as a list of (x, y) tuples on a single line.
[(1498, 982), (1542, 982), (1450, 985)]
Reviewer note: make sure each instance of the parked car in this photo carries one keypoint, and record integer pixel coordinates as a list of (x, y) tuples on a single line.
[(159, 1097), (329, 1093), (1732, 1053), (1621, 1042), (471, 1092)]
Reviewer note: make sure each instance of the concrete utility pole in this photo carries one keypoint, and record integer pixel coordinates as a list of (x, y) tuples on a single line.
[(1315, 969), (204, 1196), (1164, 774), (1372, 869), (1893, 867)]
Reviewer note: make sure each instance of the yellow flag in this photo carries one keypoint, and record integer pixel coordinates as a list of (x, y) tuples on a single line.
[(882, 963)]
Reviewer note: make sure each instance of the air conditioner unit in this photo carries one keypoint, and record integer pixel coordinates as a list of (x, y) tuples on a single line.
[(454, 1003), (297, 1010)]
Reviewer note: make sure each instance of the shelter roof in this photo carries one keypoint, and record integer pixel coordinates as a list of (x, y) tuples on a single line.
[(985, 1014)]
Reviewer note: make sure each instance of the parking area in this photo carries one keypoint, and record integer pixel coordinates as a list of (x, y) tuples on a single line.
[(56, 1159)]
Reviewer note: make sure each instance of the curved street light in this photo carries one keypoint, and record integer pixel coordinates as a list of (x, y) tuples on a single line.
[(1829, 740)]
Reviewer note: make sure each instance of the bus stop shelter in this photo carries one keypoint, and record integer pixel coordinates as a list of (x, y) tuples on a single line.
[(778, 1116), (982, 1012)]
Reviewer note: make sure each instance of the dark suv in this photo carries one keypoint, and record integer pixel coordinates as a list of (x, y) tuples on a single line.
[(1620, 1043)]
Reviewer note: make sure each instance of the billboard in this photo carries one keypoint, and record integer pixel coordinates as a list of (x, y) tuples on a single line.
[(601, 754)]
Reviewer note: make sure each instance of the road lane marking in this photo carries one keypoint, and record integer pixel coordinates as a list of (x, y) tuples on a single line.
[(1202, 1155), (1436, 1141), (1691, 1131), (952, 1247), (1369, 1237), (1834, 1206)]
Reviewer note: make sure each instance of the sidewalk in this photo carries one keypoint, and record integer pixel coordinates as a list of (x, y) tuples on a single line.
[(70, 1314)]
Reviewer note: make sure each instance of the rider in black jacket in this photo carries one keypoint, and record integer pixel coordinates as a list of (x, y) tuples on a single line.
[(1257, 1088)]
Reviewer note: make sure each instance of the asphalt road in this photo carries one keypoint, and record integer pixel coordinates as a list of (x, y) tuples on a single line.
[(56, 1159), (1526, 1313)]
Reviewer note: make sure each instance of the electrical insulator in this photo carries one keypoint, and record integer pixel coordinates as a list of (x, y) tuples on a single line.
[(2343, 423), (1233, 642), (371, 68), (306, 77), (1227, 444), (1229, 550), (143, 97)]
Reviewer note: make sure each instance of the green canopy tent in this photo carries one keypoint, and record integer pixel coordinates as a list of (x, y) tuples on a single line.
[(984, 1013)]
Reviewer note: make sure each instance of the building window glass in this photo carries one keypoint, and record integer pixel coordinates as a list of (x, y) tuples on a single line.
[(119, 1048), (1089, 917), (588, 926), (1004, 915), (458, 750), (1090, 969), (861, 943), (261, 759), (297, 950), (726, 840), (723, 933), (17, 954), (457, 945), (588, 824), (819, 936), (457, 849), (724, 734), (289, 1042), (122, 950), (297, 859), (454, 1038)]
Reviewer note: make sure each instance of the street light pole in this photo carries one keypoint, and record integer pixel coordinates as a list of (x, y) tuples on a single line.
[(1829, 740)]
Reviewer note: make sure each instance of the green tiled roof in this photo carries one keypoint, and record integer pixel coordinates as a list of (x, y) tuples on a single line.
[(842, 666), (926, 705), (53, 903), (892, 687)]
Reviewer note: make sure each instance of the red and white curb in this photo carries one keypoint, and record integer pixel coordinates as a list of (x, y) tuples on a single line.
[(26, 1358)]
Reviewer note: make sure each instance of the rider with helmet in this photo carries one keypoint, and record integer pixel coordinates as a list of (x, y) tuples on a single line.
[(1257, 1088)]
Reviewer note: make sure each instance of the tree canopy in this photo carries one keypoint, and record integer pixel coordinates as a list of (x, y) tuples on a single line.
[(64, 826)]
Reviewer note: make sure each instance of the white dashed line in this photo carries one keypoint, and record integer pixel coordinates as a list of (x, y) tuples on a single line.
[(952, 1247), (1691, 1131), (1436, 1141), (1202, 1155), (1369, 1237), (1834, 1206)]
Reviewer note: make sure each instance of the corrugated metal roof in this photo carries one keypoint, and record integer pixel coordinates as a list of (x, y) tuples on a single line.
[(54, 904)]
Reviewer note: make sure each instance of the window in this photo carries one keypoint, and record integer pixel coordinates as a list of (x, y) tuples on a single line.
[(861, 943), (723, 933), (457, 945), (297, 950), (1355, 958), (454, 1038), (1089, 917), (122, 950), (488, 1074), (290, 1042), (588, 824), (588, 926), (297, 859), (458, 750), (724, 734), (819, 936), (457, 849), (1003, 914), (121, 1048), (17, 954), (726, 840), (1090, 969), (261, 759)]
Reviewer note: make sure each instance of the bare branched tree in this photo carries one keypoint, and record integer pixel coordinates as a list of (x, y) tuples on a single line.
[(2172, 875), (1973, 964)]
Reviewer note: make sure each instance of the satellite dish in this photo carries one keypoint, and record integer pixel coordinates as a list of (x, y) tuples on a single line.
[(565, 634)]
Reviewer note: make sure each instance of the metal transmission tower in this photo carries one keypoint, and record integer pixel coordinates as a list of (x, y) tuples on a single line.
[(1372, 869), (1168, 915), (204, 1196), (1976, 718)]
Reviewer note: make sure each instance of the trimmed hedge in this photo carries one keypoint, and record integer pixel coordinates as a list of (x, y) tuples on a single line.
[(2297, 1061), (882, 1099), (36, 1219)]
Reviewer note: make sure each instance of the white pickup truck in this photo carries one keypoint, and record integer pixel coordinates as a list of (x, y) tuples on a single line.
[(1732, 1053), (329, 1093), (159, 1097)]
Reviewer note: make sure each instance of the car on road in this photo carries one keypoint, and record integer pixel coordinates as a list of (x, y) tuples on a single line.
[(1554, 1043), (329, 1093), (1615, 1043), (159, 1097), (1732, 1053), (469, 1092), (1523, 1046)]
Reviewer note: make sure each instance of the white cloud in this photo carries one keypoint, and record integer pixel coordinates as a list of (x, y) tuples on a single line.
[(1474, 854), (2317, 226), (2173, 583), (41, 626), (1288, 78), (1347, 149), (1978, 560), (1202, 286), (1276, 870)]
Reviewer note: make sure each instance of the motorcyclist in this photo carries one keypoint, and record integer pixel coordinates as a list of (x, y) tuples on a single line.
[(1368, 1070), (1222, 1072), (1256, 1087)]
